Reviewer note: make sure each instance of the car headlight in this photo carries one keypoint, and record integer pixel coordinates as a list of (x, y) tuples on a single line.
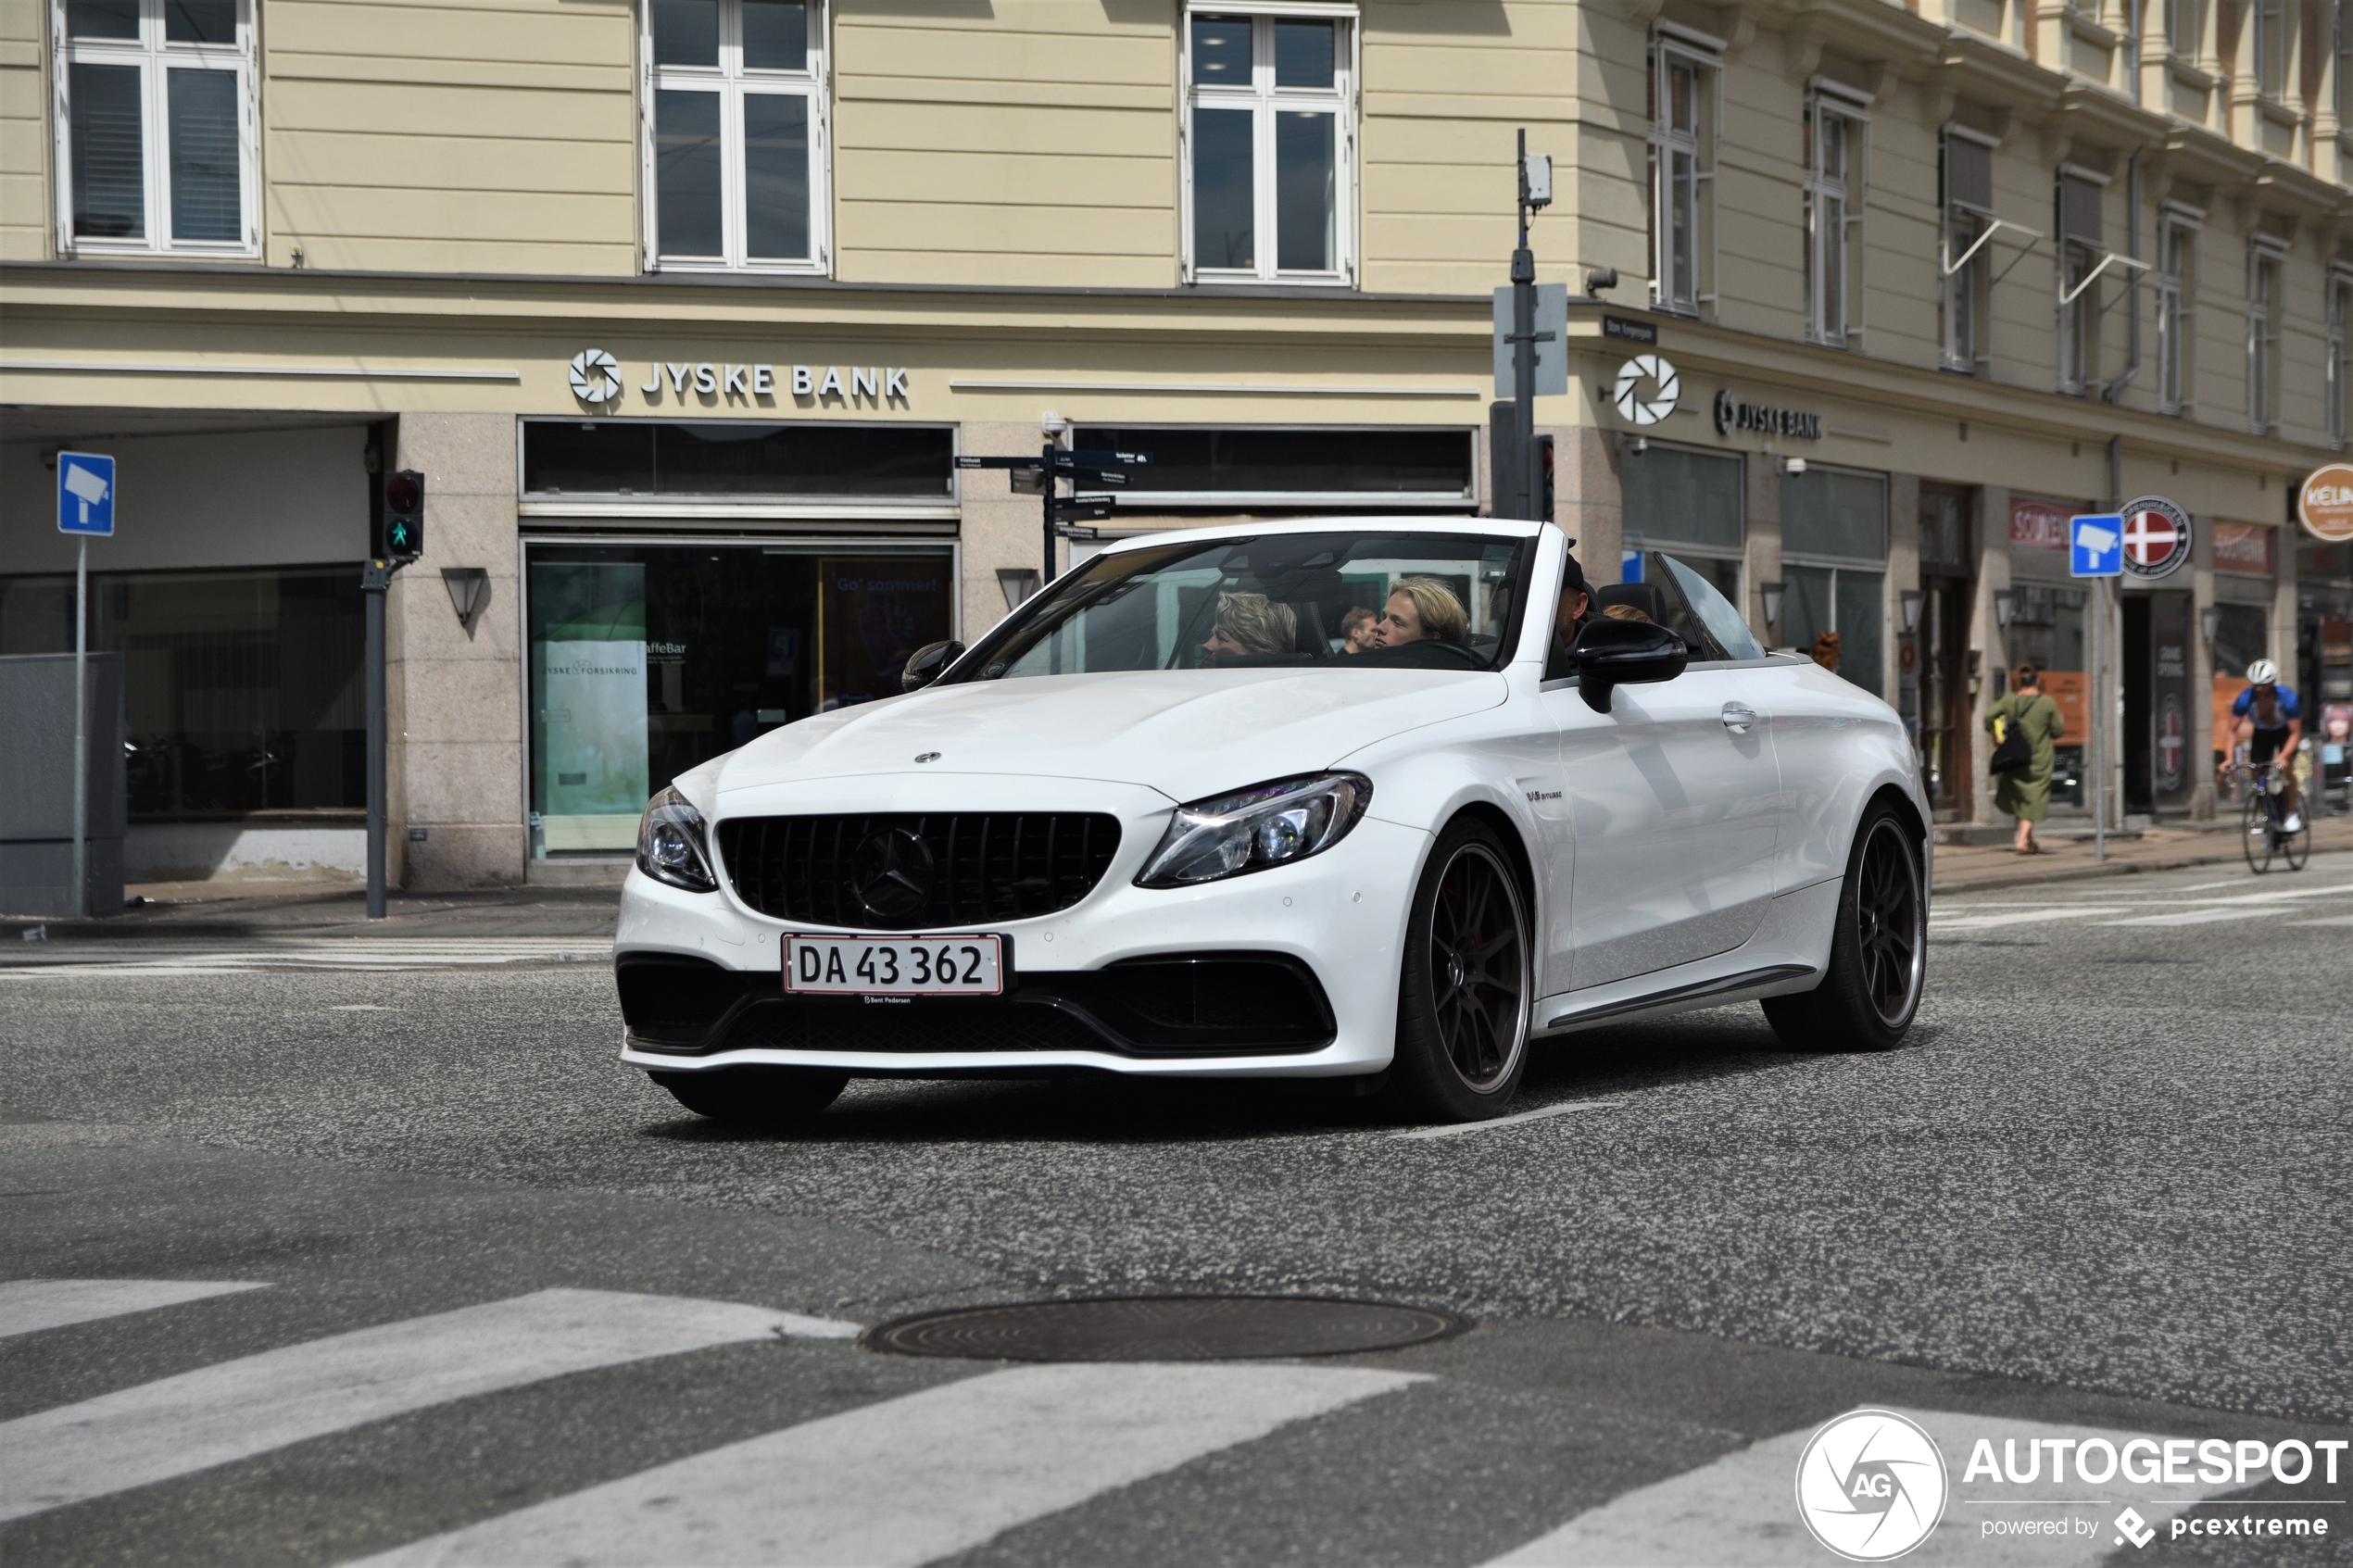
[(1256, 829), (670, 843)]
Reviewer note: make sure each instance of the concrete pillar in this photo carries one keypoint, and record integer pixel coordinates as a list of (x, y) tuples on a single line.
[(454, 696), (1903, 572), (1987, 642), (1000, 529), (1761, 476), (1589, 499)]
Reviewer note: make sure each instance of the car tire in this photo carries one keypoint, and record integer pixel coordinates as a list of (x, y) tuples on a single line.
[(1465, 983), (754, 1097), (1870, 991)]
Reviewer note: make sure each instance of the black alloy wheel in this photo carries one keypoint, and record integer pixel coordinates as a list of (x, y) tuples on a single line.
[(755, 1098), (1464, 990), (1870, 991)]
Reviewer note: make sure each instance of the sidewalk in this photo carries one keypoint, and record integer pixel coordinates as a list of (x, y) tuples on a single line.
[(201, 908), (1976, 868)]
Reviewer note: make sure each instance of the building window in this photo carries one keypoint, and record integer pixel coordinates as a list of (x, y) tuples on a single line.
[(2340, 306), (1834, 566), (735, 135), (1835, 199), (659, 461), (155, 127), (1686, 83), (1689, 502), (2083, 253), (2272, 33), (2176, 312), (1267, 466), (2264, 266), (1270, 181), (1968, 202), (2184, 24)]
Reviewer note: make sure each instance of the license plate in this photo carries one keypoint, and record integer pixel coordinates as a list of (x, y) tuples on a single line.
[(894, 966)]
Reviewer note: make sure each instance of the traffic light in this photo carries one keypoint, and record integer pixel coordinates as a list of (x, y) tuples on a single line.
[(400, 519)]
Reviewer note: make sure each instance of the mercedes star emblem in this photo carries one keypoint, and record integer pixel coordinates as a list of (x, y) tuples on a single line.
[(890, 875)]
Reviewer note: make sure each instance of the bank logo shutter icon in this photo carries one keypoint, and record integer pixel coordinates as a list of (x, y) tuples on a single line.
[(1665, 388), (1871, 1486), (596, 376)]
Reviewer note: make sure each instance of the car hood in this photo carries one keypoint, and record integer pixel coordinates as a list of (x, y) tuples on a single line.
[(1186, 733)]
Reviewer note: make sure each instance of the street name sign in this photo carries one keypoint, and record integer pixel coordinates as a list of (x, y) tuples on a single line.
[(2095, 541), (86, 494)]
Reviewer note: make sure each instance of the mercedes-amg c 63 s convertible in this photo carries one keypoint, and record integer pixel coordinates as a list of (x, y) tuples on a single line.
[(1371, 798)]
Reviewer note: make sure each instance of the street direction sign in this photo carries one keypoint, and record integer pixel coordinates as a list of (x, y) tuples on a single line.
[(2095, 541), (1001, 463), (1085, 508), (2157, 537), (86, 494), (1111, 479), (1103, 459)]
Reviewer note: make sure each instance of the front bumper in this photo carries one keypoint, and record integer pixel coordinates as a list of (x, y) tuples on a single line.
[(1323, 937)]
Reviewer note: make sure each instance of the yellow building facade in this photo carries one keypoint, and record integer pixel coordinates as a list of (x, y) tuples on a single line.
[(685, 309)]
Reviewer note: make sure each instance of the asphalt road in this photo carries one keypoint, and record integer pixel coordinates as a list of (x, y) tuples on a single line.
[(2105, 1187)]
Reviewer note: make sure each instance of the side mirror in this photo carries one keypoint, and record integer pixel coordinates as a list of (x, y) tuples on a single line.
[(1617, 653), (928, 663)]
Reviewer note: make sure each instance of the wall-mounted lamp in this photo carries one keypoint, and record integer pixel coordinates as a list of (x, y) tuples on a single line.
[(1911, 600), (1018, 584), (2209, 620), (1600, 280), (469, 592), (2005, 601), (1772, 594), (1792, 465)]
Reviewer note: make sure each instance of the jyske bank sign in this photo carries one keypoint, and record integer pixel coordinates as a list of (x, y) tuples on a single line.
[(598, 380)]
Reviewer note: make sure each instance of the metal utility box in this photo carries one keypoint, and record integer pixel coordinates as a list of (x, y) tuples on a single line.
[(36, 784)]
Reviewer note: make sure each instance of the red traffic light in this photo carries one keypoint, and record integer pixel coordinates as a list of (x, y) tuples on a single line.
[(402, 492)]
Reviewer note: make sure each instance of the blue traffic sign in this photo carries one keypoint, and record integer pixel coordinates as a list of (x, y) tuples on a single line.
[(86, 494), (2095, 545)]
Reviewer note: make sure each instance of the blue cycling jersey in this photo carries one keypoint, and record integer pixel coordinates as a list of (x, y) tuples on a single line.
[(2284, 711)]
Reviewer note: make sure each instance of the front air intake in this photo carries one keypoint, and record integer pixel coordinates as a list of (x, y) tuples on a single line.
[(912, 872)]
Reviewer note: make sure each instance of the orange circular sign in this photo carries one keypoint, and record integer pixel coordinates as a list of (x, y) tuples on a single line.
[(2325, 504)]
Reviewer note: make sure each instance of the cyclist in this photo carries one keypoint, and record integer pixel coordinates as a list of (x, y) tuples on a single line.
[(2271, 727)]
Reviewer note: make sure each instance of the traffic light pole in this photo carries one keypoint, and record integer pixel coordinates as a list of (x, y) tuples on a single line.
[(1052, 450), (1524, 347), (374, 578)]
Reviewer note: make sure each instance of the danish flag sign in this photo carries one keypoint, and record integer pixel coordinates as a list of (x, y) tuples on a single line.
[(2157, 537)]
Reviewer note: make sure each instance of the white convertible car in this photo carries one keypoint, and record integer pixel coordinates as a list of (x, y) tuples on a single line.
[(1188, 813)]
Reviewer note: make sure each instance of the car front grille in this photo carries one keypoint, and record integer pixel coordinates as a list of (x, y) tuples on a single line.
[(973, 868)]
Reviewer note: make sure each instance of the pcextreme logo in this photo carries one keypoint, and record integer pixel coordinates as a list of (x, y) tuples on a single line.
[(1870, 1485)]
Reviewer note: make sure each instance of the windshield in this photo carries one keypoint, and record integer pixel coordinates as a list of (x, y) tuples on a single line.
[(1357, 599)]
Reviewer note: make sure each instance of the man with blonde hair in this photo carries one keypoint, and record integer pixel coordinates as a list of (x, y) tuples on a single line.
[(1422, 609), (1249, 623)]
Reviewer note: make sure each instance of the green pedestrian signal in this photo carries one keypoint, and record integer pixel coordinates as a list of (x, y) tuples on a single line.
[(400, 518)]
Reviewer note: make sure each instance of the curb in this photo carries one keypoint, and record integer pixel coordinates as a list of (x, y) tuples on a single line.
[(2097, 872)]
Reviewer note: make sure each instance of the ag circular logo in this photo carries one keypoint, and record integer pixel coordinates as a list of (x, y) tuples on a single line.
[(596, 376), (1870, 1485), (2157, 537), (1665, 388)]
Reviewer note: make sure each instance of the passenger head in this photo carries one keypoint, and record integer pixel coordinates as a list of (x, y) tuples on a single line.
[(1576, 603), (1422, 609), (2025, 677), (1249, 623), (1357, 627), (1623, 613)]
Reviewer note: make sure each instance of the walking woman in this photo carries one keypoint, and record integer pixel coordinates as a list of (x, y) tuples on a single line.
[(2028, 715)]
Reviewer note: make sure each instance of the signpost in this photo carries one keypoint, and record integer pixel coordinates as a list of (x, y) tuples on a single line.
[(85, 507), (1535, 193), (2095, 550), (1106, 469)]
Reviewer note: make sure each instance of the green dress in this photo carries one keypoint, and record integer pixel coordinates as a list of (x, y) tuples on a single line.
[(2027, 794)]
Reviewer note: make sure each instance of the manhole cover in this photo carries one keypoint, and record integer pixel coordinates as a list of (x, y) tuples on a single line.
[(1164, 1328)]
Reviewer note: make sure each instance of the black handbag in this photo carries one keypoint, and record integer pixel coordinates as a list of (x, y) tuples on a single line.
[(2016, 753)]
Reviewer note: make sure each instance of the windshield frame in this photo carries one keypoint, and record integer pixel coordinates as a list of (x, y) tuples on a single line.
[(969, 666)]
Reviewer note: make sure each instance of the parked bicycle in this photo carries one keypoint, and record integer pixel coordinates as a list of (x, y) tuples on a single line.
[(2267, 837)]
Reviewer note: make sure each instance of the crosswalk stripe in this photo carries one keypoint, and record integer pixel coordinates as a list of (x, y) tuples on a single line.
[(1943, 926), (907, 1480), (238, 1409), (2200, 917), (28, 1306), (1743, 1508)]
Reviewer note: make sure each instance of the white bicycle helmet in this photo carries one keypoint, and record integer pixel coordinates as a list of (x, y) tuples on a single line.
[(2262, 672)]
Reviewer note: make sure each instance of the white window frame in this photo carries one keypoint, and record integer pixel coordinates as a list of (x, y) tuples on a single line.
[(157, 57), (1835, 318), (2177, 308), (1965, 241), (2265, 255), (1685, 285), (2340, 306), (732, 82), (1265, 101), (2081, 263)]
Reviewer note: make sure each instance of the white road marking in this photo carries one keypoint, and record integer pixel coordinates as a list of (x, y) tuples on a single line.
[(2332, 919), (914, 1478), (2021, 917), (1459, 1128), (168, 956), (2200, 917), (1742, 1510), (232, 1410), (28, 1306)]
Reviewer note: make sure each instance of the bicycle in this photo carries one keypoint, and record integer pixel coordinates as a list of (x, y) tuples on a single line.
[(2266, 836)]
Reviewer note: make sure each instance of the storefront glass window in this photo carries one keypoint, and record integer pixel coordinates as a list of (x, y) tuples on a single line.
[(242, 690), (1683, 497), (737, 457), (648, 659), (1232, 464), (1832, 513)]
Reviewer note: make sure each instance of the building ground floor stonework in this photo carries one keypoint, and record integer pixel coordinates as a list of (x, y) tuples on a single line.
[(661, 521)]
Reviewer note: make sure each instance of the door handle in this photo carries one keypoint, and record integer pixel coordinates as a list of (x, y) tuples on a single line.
[(1737, 717)]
